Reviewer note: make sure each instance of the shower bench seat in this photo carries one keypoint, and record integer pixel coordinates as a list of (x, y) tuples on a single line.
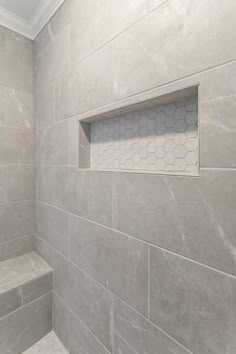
[(25, 302)]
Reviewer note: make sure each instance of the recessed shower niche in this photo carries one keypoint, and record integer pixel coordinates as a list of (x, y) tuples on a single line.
[(156, 136)]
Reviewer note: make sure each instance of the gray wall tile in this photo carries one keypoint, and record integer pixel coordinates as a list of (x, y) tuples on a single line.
[(20, 110), (20, 246), (45, 106), (193, 304), (16, 74), (2, 184), (143, 208), (82, 89), (26, 326), (53, 226), (44, 250), (62, 277), (121, 347), (44, 183), (2, 106), (9, 302), (218, 147), (115, 260), (140, 335), (87, 299), (3, 251), (16, 143), (150, 62), (20, 183), (194, 218), (113, 19), (190, 216), (52, 61), (52, 143), (16, 220), (36, 288), (16, 146), (74, 141), (85, 193), (82, 341), (218, 83), (204, 208), (60, 316)]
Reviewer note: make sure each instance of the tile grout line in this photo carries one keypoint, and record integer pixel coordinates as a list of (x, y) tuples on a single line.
[(108, 42), (29, 303), (148, 313), (77, 317), (108, 291), (119, 299), (159, 174), (146, 242)]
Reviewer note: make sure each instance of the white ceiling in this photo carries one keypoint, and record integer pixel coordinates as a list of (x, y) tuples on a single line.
[(27, 17)]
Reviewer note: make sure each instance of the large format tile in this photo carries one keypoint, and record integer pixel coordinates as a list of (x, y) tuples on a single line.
[(91, 302), (193, 304), (16, 145), (3, 184), (25, 326), (3, 251), (53, 226), (74, 141), (20, 110), (85, 193), (16, 220), (137, 335), (82, 341), (218, 132), (52, 144), (9, 302), (218, 82), (36, 288), (88, 85), (44, 183), (45, 106), (44, 250), (142, 61), (205, 210), (20, 246), (20, 183), (60, 318), (118, 262), (121, 346), (100, 23), (153, 4), (17, 295), (143, 208), (52, 61), (16, 61), (2, 106), (190, 216)]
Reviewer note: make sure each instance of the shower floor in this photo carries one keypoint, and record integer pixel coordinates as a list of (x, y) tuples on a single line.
[(50, 344)]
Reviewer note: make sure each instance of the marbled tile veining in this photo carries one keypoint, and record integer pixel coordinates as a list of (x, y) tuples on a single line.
[(159, 139)]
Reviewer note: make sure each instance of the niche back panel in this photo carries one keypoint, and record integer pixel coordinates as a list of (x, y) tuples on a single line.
[(162, 138)]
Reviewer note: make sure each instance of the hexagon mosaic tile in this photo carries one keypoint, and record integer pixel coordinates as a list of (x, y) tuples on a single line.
[(158, 139)]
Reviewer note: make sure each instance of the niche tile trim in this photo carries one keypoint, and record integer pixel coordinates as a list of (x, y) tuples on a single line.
[(155, 138)]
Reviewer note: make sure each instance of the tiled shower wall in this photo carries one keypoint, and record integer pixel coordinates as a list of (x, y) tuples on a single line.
[(143, 264), (16, 144)]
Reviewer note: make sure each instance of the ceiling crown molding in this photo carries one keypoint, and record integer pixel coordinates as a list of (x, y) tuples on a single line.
[(32, 27)]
